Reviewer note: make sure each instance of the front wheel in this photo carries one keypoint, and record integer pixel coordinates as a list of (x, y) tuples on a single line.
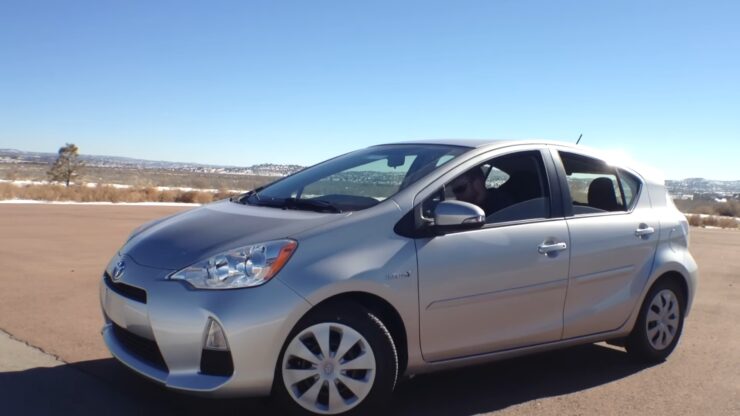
[(659, 324), (337, 361)]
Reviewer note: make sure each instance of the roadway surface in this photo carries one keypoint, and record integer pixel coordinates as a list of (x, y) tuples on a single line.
[(52, 359)]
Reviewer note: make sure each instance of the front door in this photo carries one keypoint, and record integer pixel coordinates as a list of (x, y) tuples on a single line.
[(502, 286)]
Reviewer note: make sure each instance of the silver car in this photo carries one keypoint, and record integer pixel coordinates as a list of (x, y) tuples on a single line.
[(326, 287)]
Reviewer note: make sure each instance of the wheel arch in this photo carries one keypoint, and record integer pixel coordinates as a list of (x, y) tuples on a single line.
[(675, 276), (678, 266), (383, 310)]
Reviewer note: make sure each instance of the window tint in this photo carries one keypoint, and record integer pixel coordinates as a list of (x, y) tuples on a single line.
[(508, 188), (595, 187)]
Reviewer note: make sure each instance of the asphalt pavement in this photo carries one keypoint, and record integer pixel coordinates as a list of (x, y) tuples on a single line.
[(52, 359)]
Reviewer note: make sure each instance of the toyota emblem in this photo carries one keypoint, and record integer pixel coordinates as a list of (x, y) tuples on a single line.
[(117, 274)]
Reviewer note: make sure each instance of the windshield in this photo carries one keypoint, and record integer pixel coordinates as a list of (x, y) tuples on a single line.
[(354, 181)]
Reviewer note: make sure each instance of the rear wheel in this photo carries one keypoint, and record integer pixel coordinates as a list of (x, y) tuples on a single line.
[(659, 324), (337, 361)]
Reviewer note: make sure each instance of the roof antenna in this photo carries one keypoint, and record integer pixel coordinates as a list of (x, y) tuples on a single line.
[(579, 138)]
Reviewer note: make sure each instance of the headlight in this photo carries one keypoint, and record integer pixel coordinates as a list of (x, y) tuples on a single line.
[(242, 267)]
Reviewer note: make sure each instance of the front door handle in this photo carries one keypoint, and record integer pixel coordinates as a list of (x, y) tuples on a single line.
[(551, 248), (644, 231)]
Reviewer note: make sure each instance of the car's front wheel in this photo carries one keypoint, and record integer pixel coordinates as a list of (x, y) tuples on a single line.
[(337, 361), (659, 324)]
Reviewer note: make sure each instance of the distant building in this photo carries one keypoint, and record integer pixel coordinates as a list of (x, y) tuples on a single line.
[(683, 197)]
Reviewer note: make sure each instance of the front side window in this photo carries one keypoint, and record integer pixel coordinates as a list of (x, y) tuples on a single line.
[(512, 187), (595, 187), (355, 181)]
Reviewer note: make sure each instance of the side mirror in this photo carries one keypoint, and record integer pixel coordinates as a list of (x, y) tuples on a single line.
[(458, 215)]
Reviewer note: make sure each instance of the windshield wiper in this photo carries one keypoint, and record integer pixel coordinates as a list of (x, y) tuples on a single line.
[(287, 203), (244, 198), (312, 204)]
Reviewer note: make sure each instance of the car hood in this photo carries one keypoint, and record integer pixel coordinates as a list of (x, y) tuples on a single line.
[(183, 239)]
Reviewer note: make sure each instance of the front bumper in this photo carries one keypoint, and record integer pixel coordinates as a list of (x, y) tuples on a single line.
[(172, 317)]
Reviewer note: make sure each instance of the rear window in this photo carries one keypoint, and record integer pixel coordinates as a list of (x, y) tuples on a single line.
[(595, 187)]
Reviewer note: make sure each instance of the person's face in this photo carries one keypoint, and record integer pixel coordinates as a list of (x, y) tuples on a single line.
[(469, 189)]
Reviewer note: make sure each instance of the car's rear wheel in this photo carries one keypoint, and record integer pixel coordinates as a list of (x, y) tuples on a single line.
[(337, 361), (659, 324)]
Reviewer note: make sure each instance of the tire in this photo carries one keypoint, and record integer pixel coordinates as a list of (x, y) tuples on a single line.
[(659, 324), (357, 377)]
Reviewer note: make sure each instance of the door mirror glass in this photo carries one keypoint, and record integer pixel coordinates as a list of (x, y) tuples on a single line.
[(458, 215)]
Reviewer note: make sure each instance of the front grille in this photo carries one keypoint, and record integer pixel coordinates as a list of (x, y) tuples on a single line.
[(145, 349), (127, 291), (216, 363)]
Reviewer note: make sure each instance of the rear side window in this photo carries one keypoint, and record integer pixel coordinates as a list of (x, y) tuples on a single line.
[(595, 187)]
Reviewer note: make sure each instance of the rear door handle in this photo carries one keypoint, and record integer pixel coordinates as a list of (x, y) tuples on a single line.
[(551, 248), (644, 231)]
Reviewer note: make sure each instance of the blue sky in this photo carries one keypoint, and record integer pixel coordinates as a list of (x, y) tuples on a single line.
[(246, 82)]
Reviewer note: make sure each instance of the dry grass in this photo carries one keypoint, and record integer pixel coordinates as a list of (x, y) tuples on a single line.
[(712, 221), (730, 208), (141, 178), (106, 194)]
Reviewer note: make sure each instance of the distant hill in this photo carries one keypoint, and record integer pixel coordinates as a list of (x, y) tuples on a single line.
[(692, 186), (684, 187), (263, 169)]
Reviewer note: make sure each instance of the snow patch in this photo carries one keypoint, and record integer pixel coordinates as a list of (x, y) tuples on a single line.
[(141, 204), (122, 186)]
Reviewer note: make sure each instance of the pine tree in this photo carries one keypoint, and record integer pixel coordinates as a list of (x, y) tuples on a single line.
[(67, 166)]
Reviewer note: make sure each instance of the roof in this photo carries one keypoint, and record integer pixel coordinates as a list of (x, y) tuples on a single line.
[(616, 159), (471, 143), (489, 143)]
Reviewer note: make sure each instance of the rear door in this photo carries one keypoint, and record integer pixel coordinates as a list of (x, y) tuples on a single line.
[(613, 236)]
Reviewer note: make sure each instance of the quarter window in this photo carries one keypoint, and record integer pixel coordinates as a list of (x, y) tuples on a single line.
[(630, 187)]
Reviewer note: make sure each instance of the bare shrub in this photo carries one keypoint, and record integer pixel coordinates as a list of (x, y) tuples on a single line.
[(105, 193), (727, 222), (728, 209), (203, 197), (694, 220), (43, 193), (710, 221), (151, 194), (223, 194), (195, 197), (167, 196), (7, 191)]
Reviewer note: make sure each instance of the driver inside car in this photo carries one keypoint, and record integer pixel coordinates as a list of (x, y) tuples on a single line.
[(471, 187)]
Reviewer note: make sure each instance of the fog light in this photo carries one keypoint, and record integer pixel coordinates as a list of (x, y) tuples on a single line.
[(216, 339)]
